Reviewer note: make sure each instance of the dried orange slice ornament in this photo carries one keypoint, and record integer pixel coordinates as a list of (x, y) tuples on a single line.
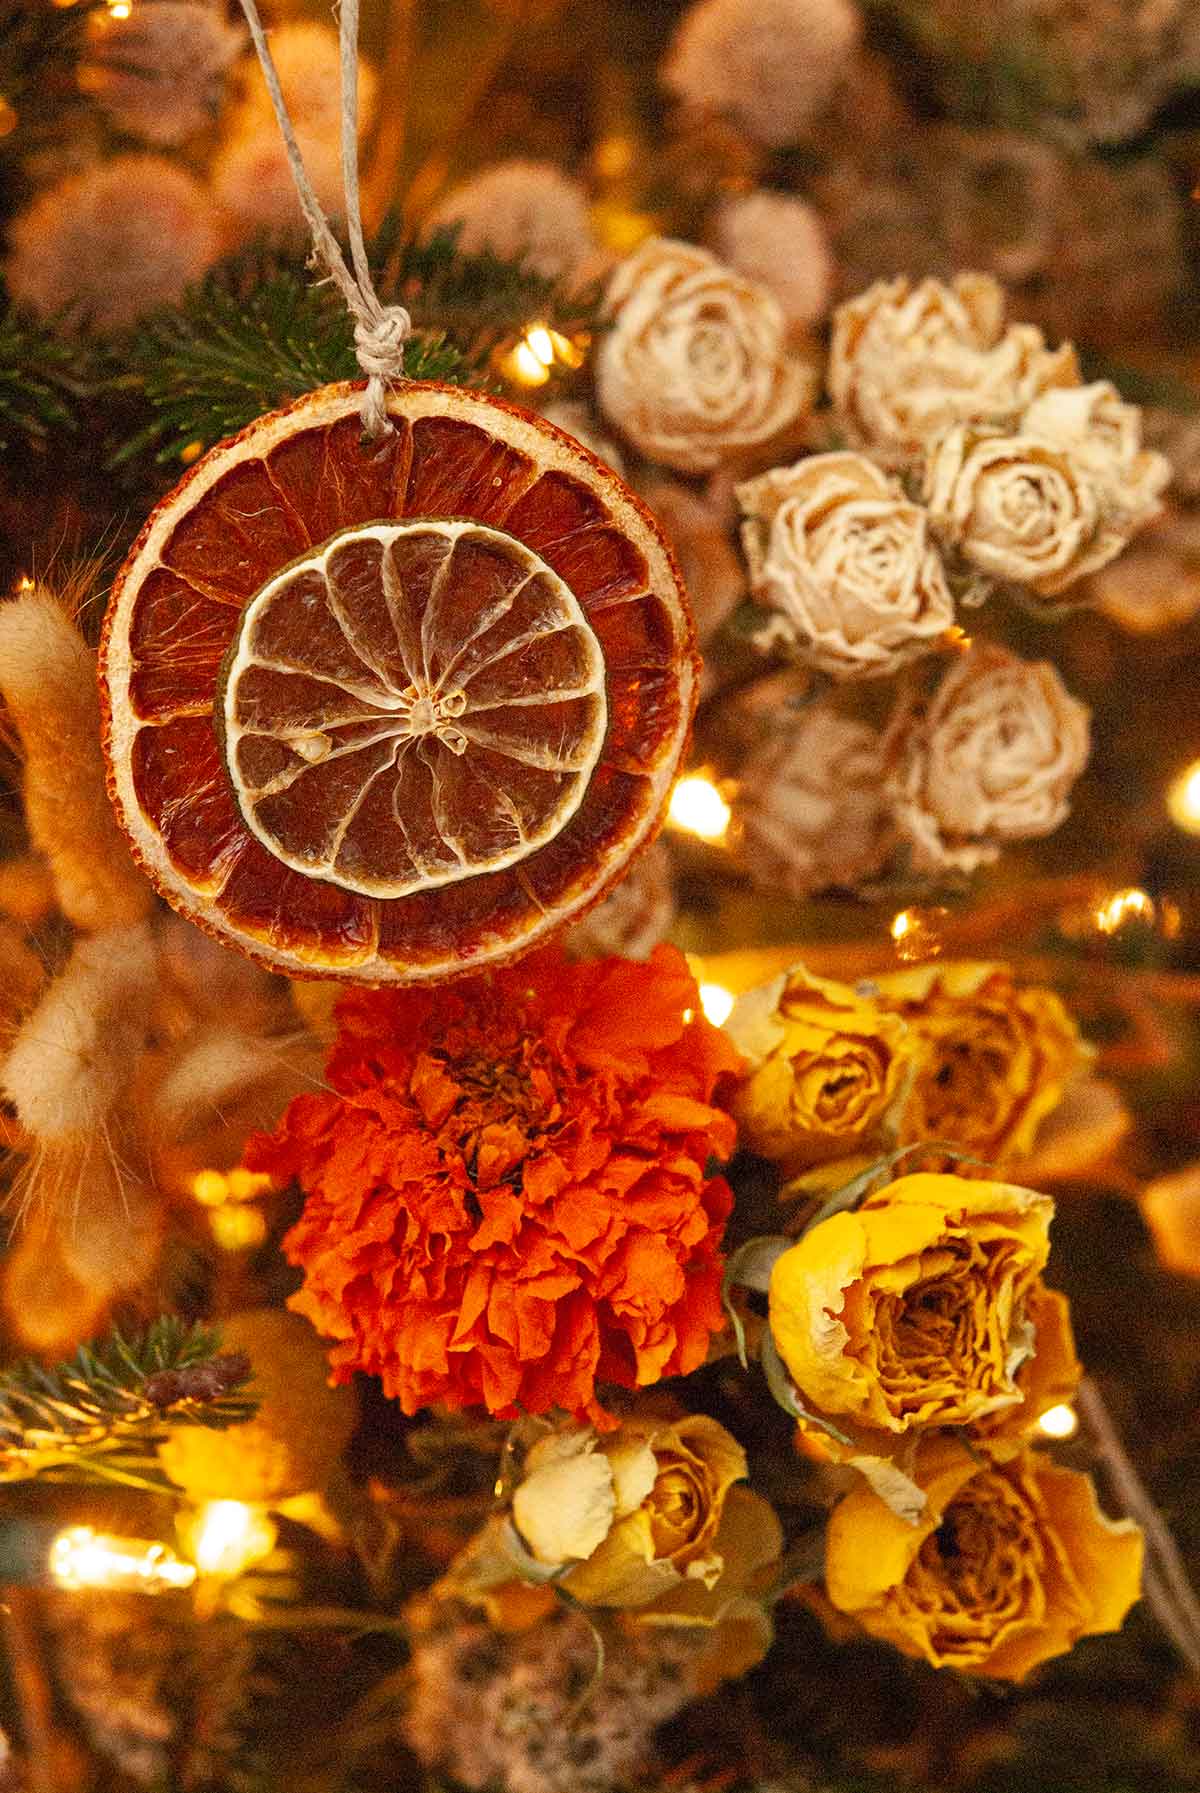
[(391, 710)]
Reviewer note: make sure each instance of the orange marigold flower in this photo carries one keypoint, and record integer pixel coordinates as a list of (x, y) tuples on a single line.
[(507, 1200)]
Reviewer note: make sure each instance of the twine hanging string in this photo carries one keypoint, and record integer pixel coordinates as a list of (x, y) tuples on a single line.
[(380, 331)]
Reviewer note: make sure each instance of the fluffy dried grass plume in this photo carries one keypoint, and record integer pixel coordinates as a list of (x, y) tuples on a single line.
[(522, 208), (847, 563), (159, 73), (781, 242), (770, 65), (695, 368), (107, 245), (908, 363), (992, 757), (809, 813), (48, 682)]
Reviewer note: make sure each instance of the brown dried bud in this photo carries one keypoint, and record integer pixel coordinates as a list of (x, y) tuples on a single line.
[(198, 1382)]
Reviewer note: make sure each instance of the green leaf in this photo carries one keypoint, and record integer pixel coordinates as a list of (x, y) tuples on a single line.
[(787, 1395), (750, 1267)]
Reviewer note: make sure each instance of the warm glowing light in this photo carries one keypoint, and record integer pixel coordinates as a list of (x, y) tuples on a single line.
[(698, 807), (614, 156), (956, 640), (1124, 906), (540, 350), (24, 583), (1059, 1422), (212, 1188), (8, 117), (1183, 799), (917, 933), (717, 1003), (190, 452), (119, 9), (237, 1229), (83, 1558), (226, 1537)]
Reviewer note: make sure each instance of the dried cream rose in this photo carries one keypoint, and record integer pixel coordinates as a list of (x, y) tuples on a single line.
[(1103, 436), (991, 757), (695, 366), (1019, 508), (646, 1518), (809, 811), (909, 362), (848, 562)]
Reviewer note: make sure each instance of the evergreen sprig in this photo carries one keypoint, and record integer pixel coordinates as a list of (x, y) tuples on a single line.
[(101, 1414), (255, 334), (36, 374)]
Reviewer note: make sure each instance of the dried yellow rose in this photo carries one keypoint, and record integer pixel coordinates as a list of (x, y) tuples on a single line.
[(1010, 1564), (827, 1069), (994, 1058), (912, 1311)]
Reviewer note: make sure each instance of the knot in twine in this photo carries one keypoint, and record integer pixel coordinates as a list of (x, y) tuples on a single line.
[(380, 331), (379, 345)]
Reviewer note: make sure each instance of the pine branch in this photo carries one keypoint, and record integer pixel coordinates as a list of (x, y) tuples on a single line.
[(35, 367), (258, 333), (100, 1415), (255, 334)]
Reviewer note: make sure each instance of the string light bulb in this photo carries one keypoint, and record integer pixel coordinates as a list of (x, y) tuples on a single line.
[(226, 1537), (1059, 1422), (1124, 906), (717, 1003), (533, 359), (1183, 799), (83, 1558), (698, 807)]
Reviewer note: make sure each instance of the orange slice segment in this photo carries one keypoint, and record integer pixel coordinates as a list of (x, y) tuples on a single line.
[(412, 704), (392, 711)]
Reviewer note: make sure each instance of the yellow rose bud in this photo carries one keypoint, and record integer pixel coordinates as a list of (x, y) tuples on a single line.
[(1171, 1207), (912, 1310), (827, 1069), (993, 1058), (1011, 1563)]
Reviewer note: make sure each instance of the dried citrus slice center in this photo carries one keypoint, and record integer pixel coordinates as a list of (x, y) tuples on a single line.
[(412, 704)]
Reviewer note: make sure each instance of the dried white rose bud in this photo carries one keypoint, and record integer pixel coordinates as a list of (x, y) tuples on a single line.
[(781, 242), (107, 245), (695, 366), (159, 71), (809, 812), (522, 208), (308, 61), (699, 531), (770, 65), (578, 419), (1103, 435), (252, 181), (1019, 508), (635, 917), (848, 562), (907, 363), (990, 758)]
